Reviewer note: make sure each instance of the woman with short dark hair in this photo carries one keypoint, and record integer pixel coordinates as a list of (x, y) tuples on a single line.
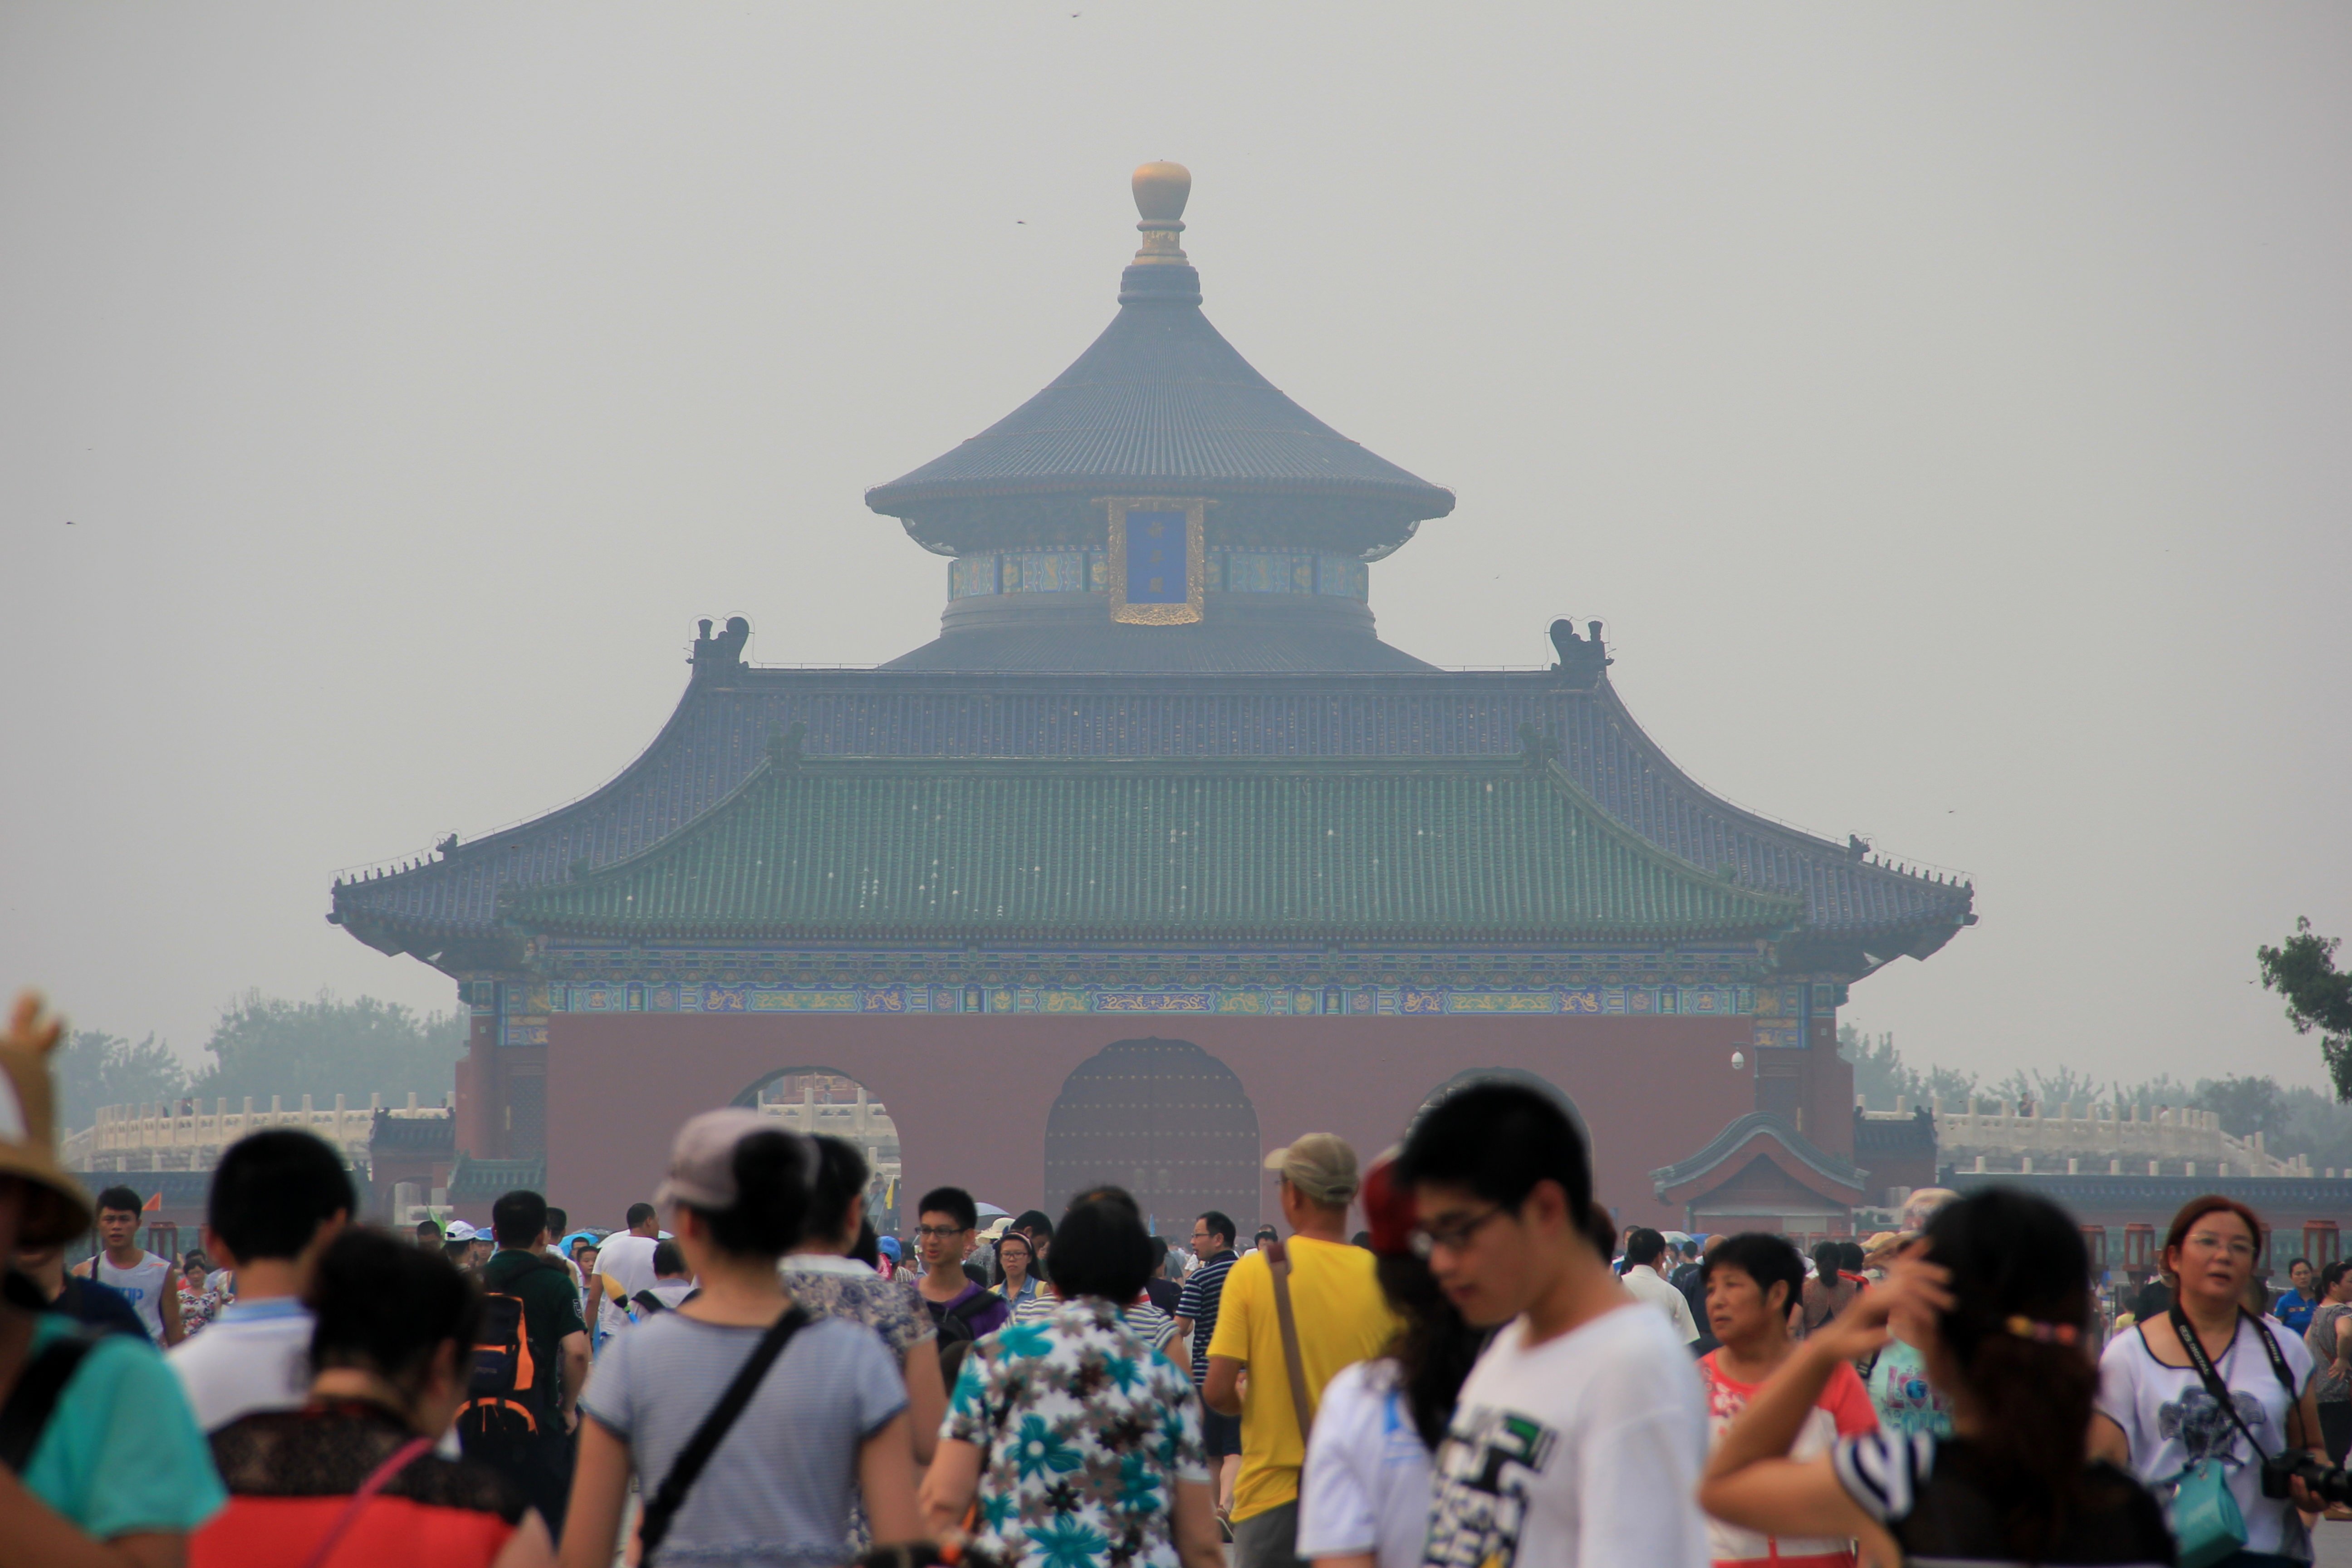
[(1074, 1436), (2156, 1412), (390, 1356), (825, 1418)]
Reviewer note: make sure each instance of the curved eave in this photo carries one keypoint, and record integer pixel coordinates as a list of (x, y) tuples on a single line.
[(898, 499), (1946, 908), (1099, 934)]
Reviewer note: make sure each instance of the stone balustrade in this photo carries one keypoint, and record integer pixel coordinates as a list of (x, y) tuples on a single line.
[(169, 1138), (2083, 1136)]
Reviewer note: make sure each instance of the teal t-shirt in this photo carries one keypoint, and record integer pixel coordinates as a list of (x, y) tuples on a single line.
[(1907, 1402), (121, 1455)]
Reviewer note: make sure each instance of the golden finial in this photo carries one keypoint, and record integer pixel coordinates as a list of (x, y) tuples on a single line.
[(1160, 192)]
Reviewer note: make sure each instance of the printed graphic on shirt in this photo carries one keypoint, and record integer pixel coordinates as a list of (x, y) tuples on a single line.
[(2203, 1428), (1484, 1469)]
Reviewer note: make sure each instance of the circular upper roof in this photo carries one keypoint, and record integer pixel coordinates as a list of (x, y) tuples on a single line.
[(1161, 403)]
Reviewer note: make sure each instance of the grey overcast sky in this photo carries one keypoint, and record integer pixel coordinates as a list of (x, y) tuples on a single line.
[(1949, 410)]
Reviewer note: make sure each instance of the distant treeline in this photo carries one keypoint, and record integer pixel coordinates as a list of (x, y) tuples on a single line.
[(2291, 1120), (268, 1044)]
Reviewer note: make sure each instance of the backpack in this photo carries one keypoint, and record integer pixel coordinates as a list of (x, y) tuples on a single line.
[(955, 1322), (648, 1303), (504, 1399)]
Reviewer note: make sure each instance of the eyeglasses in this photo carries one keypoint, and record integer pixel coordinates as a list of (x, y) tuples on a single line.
[(2210, 1241), (940, 1232), (1454, 1235)]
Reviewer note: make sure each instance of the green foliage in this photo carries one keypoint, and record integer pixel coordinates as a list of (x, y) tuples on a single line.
[(2246, 1105), (2065, 1087), (1881, 1075), (2318, 996), (95, 1068), (326, 1047)]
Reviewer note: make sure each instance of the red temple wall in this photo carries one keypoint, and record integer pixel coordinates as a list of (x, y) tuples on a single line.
[(970, 1095)]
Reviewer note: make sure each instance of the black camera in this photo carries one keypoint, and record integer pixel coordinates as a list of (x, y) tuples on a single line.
[(2328, 1483)]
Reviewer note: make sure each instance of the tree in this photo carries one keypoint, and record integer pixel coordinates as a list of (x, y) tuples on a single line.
[(326, 1047), (96, 1068), (2318, 995), (2245, 1105), (1881, 1076)]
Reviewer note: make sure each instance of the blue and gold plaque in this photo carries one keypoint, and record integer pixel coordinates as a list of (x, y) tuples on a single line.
[(1158, 563)]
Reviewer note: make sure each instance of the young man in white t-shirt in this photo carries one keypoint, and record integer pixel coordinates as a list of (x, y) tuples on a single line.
[(279, 1196), (624, 1266), (1579, 1439)]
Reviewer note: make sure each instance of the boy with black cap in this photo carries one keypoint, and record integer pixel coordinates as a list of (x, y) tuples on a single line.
[(1330, 1294)]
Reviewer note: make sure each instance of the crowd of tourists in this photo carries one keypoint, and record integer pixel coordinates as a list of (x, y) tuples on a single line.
[(1488, 1374)]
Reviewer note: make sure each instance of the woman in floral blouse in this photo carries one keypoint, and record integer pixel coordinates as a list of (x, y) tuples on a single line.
[(200, 1301), (1080, 1442)]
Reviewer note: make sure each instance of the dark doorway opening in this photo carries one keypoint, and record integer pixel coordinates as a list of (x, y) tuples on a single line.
[(1166, 1120)]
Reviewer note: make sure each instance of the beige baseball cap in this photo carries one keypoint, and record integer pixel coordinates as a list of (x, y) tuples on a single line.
[(1320, 1164)]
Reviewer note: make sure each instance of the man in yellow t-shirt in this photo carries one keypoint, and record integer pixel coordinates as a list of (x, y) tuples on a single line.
[(1341, 1318)]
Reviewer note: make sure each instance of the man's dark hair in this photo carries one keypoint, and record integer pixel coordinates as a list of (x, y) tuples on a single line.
[(121, 1200), (558, 1222), (1764, 1257), (1499, 1139), (1827, 1257), (517, 1218), (1035, 1222), (1100, 1250), (1850, 1257), (1159, 1252), (424, 1227), (638, 1215), (385, 1308), (668, 1258), (273, 1189), (953, 1202), (1644, 1245), (1220, 1225), (1690, 1251)]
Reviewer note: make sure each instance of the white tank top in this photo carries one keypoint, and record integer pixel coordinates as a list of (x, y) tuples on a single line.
[(142, 1283)]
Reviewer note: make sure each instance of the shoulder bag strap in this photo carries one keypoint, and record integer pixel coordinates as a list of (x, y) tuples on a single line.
[(1277, 1258), (377, 1480), (667, 1500), (2194, 1348), (35, 1397), (969, 1310)]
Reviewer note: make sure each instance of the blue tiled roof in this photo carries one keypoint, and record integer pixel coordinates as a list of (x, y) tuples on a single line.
[(719, 733), (1160, 399)]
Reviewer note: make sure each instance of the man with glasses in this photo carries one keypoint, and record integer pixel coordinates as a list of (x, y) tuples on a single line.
[(960, 1308), (1578, 1437), (1339, 1317)]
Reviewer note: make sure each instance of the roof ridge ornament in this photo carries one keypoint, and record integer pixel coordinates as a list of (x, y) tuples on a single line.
[(1578, 655), (784, 745), (1160, 272)]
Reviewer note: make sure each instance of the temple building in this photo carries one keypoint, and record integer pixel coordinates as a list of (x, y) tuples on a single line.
[(1158, 855)]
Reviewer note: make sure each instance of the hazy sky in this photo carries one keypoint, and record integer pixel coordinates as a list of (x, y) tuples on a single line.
[(1948, 410)]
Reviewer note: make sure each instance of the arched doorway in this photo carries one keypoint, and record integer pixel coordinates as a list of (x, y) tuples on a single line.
[(823, 1100), (1166, 1120)]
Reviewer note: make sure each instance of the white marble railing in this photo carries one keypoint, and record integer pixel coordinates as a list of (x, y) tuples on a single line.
[(183, 1136), (2086, 1137)]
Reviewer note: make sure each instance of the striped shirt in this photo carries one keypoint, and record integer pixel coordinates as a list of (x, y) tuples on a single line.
[(1156, 1327), (1203, 1292)]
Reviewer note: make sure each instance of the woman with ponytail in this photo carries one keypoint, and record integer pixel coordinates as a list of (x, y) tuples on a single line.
[(1364, 1492), (1996, 1298), (823, 1408)]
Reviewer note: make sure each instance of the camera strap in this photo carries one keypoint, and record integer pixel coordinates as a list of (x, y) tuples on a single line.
[(2194, 1348)]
